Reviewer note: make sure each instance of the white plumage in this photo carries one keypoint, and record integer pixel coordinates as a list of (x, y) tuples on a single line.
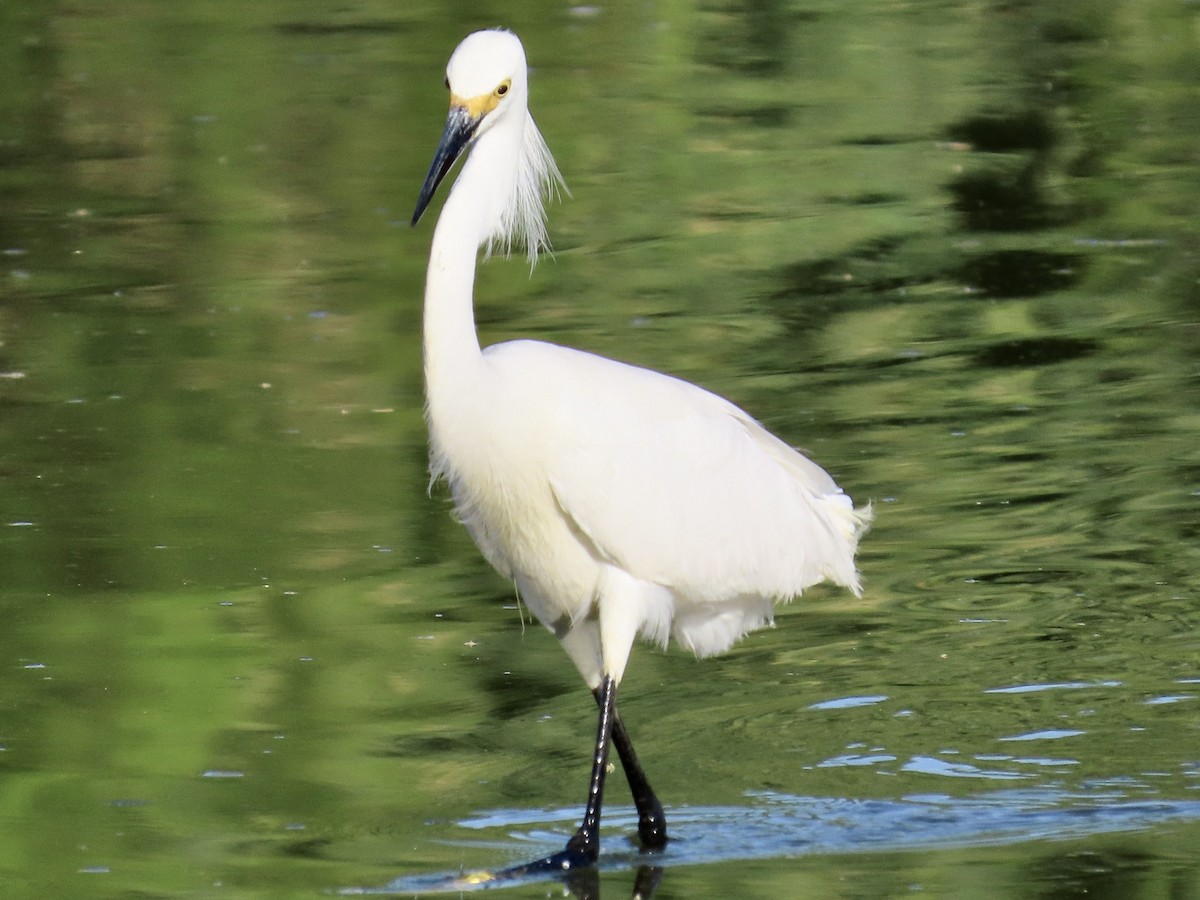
[(620, 500)]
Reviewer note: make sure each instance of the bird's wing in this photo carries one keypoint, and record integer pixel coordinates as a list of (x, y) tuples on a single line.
[(682, 488)]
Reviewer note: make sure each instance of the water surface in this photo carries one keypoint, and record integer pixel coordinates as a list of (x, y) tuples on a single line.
[(949, 249)]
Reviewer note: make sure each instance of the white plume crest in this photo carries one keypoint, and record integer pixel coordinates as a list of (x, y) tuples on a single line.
[(523, 221)]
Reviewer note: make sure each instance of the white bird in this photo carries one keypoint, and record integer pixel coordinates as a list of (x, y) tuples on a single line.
[(622, 502)]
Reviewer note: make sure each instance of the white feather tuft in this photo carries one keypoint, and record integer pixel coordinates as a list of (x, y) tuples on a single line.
[(523, 221)]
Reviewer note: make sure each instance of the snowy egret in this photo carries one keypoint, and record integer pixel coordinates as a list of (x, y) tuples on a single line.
[(621, 502)]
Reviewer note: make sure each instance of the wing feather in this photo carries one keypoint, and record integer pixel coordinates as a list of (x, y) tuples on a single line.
[(681, 488)]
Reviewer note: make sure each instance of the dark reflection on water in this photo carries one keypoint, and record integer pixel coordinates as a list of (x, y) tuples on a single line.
[(1034, 352), (1021, 273), (950, 250)]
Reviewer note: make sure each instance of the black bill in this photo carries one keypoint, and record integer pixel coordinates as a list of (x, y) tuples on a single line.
[(460, 128)]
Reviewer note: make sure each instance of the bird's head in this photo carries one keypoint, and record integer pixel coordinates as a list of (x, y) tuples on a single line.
[(488, 84), (489, 91), (487, 77)]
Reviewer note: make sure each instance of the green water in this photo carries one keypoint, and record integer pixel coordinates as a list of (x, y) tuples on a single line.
[(950, 249)]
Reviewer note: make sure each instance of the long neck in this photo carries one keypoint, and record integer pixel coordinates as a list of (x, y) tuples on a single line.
[(449, 282), (470, 215)]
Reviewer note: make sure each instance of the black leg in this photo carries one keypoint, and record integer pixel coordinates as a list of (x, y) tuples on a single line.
[(652, 824), (583, 849), (587, 839)]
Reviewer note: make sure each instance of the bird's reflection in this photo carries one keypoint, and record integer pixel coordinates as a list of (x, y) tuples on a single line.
[(584, 884), (646, 882)]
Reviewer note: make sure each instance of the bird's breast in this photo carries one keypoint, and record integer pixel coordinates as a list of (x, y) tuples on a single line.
[(496, 467)]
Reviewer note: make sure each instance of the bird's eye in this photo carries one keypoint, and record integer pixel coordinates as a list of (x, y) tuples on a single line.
[(503, 88), (447, 82)]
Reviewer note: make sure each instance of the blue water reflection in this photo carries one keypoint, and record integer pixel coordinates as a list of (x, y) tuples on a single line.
[(781, 826)]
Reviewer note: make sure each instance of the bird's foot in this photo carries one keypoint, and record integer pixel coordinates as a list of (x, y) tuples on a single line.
[(652, 832), (582, 850)]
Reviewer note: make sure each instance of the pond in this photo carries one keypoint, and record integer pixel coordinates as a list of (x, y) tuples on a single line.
[(949, 249)]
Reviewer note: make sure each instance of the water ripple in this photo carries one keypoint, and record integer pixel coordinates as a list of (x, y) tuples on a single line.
[(779, 825), (849, 702), (1054, 686), (1052, 734)]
